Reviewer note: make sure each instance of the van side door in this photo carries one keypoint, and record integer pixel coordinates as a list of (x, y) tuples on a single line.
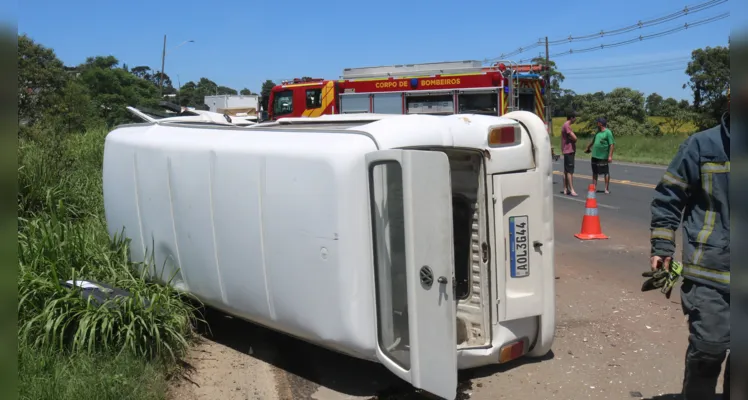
[(411, 210)]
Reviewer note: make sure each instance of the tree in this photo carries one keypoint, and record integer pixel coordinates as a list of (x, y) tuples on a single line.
[(142, 72), (193, 94), (112, 89), (669, 102), (684, 104), (568, 100), (74, 110), (267, 86), (624, 110), (41, 75), (709, 72), (583, 100), (654, 104), (676, 117), (223, 90), (245, 92), (145, 72)]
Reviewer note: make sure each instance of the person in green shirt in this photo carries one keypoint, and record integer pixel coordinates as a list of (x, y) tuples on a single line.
[(601, 148)]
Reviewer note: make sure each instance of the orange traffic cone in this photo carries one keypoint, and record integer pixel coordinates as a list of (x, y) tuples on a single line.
[(591, 221)]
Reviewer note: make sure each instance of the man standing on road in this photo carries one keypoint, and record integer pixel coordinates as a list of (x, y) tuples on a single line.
[(601, 147), (696, 187), (569, 149)]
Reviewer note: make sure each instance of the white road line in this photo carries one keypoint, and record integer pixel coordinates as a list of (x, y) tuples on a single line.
[(584, 201)]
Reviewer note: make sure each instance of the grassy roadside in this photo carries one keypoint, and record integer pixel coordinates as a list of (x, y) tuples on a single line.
[(643, 150), (67, 347), (686, 129), (43, 374), (636, 149)]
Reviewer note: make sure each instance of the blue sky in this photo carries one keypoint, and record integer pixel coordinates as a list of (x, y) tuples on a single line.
[(242, 43)]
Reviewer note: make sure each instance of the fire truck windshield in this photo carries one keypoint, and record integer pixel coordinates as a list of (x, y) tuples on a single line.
[(283, 103)]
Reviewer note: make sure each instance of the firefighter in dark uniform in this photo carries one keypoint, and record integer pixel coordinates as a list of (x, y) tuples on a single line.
[(696, 187)]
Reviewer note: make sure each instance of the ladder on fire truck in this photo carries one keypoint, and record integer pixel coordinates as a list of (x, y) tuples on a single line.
[(509, 69)]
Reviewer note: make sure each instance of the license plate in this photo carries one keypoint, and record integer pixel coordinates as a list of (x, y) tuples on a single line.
[(519, 246)]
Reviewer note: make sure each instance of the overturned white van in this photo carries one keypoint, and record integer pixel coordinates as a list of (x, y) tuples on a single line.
[(424, 243)]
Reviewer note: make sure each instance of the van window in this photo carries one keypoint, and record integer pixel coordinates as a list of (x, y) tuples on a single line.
[(313, 98), (388, 217), (283, 103)]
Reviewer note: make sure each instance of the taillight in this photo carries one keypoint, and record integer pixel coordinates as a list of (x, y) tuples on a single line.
[(504, 135), (512, 351)]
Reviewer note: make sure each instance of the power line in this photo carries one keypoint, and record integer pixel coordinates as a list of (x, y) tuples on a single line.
[(627, 75), (519, 50), (642, 24), (614, 74), (640, 38), (646, 37), (652, 64), (639, 25)]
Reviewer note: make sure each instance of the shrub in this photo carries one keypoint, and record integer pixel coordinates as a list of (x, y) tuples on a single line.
[(624, 110), (622, 126)]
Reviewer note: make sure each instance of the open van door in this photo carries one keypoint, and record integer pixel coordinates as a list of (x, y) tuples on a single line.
[(411, 206)]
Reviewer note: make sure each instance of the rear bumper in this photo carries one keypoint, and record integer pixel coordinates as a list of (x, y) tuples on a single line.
[(503, 333)]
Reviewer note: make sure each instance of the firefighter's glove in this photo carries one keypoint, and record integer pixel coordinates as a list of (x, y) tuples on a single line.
[(676, 269), (662, 279), (656, 279)]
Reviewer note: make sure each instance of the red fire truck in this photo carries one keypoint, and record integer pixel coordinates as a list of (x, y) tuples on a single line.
[(432, 88)]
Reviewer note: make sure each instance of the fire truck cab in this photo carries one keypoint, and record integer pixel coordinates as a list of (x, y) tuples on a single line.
[(433, 88)]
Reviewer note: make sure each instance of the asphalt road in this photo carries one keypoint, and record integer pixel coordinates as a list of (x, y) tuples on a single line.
[(631, 188)]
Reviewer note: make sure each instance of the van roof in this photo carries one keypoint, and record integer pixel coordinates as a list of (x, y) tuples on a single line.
[(399, 131), (387, 131)]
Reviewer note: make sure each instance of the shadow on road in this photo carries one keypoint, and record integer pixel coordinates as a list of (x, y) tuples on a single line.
[(304, 367), (490, 370)]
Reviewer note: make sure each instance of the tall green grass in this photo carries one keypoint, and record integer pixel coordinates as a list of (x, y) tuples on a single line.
[(44, 374), (686, 129), (637, 149), (62, 235)]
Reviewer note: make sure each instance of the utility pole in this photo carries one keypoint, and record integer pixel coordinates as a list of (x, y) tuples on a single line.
[(163, 59), (548, 117)]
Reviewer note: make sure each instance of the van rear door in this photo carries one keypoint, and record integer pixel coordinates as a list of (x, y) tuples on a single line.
[(411, 208), (521, 225)]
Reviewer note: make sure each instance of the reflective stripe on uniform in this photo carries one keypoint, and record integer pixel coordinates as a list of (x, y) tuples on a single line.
[(663, 233), (710, 216), (715, 167), (707, 274), (669, 178)]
